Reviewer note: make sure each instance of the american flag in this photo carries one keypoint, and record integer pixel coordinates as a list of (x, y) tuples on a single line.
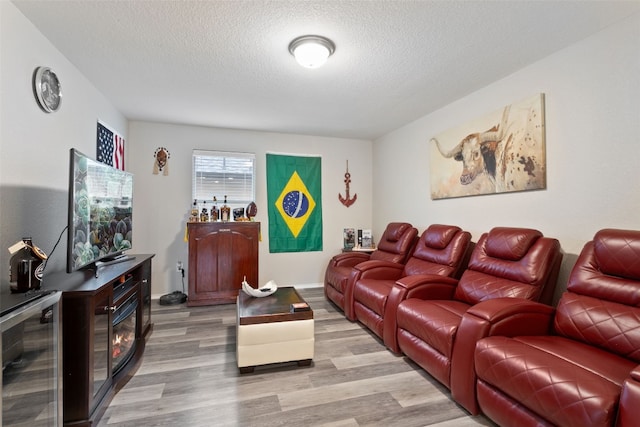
[(110, 147)]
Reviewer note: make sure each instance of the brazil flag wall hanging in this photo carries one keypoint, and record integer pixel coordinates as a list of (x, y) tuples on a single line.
[(294, 203)]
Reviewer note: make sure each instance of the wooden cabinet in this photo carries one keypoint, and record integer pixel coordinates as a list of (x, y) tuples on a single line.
[(221, 254), (98, 357)]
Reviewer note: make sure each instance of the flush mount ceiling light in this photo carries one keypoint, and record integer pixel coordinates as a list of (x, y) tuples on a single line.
[(311, 51)]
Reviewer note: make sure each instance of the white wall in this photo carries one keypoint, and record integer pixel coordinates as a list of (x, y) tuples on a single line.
[(592, 92), (162, 203), (34, 146)]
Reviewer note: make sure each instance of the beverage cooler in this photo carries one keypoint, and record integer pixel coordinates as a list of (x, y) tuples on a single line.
[(31, 359)]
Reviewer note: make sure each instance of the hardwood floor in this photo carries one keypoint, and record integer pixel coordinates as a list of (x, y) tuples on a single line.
[(189, 377)]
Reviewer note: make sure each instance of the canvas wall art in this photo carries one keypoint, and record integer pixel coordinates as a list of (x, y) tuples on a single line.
[(501, 152)]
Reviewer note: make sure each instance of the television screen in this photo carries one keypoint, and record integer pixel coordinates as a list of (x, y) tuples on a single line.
[(100, 211)]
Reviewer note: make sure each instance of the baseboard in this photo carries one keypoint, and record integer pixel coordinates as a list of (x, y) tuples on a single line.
[(309, 286)]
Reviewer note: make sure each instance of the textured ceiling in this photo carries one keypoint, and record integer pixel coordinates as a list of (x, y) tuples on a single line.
[(226, 63)]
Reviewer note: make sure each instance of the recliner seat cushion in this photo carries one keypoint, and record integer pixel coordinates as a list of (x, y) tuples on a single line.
[(605, 324), (396, 230), (433, 321), (503, 243), (522, 260), (439, 236), (337, 277), (477, 286), (373, 294), (567, 382), (618, 253)]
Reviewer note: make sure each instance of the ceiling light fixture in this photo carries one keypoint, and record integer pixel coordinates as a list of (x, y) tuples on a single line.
[(311, 51)]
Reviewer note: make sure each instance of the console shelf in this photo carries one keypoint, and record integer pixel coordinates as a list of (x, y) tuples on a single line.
[(89, 307)]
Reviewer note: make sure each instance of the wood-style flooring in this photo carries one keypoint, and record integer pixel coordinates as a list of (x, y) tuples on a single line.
[(188, 377)]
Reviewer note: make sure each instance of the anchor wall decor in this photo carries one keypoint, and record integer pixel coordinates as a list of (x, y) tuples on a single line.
[(347, 201)]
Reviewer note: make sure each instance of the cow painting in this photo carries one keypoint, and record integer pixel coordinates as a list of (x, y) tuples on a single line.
[(502, 152)]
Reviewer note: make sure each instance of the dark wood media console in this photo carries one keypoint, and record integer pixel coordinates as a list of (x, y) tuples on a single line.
[(105, 323)]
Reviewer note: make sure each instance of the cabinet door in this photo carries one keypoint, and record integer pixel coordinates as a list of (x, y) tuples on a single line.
[(101, 346), (220, 257), (143, 275), (237, 258)]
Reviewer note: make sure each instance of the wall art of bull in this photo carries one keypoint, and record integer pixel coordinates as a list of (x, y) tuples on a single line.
[(502, 152)]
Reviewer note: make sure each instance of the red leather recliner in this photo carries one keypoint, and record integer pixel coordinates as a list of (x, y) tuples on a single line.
[(577, 365), (517, 263), (394, 246), (440, 254)]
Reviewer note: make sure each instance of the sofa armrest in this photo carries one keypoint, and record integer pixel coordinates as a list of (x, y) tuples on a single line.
[(629, 400), (427, 286), (423, 286), (372, 269), (349, 259), (512, 316), (379, 269), (500, 316)]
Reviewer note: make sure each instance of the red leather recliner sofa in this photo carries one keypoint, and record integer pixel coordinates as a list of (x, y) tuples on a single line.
[(440, 254), (578, 364), (394, 246), (510, 263)]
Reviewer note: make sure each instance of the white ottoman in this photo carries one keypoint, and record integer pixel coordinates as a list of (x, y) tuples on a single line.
[(268, 331)]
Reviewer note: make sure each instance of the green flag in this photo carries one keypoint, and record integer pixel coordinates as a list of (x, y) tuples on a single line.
[(294, 203)]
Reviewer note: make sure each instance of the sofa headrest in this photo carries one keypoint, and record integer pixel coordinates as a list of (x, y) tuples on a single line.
[(395, 231), (439, 236), (617, 252), (510, 243)]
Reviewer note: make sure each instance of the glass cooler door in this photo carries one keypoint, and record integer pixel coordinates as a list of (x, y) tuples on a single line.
[(31, 364)]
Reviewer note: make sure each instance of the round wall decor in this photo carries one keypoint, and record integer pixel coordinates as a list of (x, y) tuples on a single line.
[(47, 89)]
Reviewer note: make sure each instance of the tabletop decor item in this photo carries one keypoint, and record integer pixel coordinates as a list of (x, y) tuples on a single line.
[(252, 210), (263, 291)]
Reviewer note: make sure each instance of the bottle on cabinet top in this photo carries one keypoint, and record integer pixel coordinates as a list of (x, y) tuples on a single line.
[(204, 215), (225, 211), (194, 215), (214, 210)]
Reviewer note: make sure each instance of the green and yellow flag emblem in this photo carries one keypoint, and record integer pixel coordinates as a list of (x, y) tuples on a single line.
[(295, 203)]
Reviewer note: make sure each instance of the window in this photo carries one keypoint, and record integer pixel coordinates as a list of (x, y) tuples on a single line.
[(220, 173)]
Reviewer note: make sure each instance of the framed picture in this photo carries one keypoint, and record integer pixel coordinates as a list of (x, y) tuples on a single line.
[(367, 239), (501, 152), (349, 237)]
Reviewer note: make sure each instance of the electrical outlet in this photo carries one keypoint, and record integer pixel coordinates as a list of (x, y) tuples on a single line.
[(179, 266)]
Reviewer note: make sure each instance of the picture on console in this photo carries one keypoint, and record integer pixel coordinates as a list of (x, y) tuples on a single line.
[(100, 211)]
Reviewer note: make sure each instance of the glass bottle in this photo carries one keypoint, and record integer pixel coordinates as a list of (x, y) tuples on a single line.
[(195, 216), (225, 211), (214, 209), (204, 215)]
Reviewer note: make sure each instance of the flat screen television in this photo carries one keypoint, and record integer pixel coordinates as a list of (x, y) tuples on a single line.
[(100, 212)]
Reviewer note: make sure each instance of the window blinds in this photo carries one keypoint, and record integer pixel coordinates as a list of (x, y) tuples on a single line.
[(219, 173)]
